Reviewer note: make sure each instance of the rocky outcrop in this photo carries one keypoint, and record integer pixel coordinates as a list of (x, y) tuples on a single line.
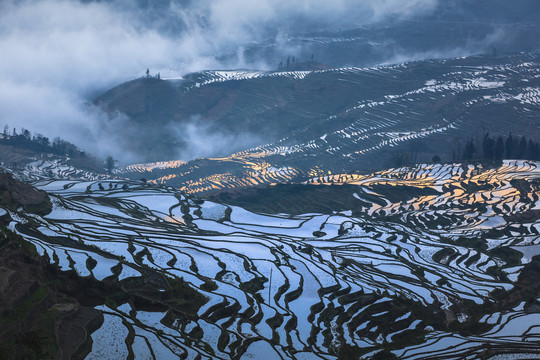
[(15, 194)]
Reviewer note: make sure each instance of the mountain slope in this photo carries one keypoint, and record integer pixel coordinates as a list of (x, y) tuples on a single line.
[(427, 257), (351, 119)]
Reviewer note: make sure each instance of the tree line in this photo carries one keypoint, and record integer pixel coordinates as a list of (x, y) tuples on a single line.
[(38, 143), (291, 63), (498, 148)]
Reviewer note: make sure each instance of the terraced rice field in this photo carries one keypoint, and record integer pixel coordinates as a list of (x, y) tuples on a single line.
[(434, 276), (387, 121), (358, 118), (33, 169)]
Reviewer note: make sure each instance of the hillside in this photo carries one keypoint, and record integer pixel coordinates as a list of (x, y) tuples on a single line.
[(403, 263), (338, 120), (20, 152)]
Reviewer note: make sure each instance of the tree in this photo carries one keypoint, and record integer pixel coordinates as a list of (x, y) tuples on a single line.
[(110, 164), (6, 130), (458, 153), (530, 150), (147, 73), (42, 140), (470, 150), (59, 146), (436, 159), (521, 150), (509, 147), (499, 149), (488, 147), (533, 151)]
